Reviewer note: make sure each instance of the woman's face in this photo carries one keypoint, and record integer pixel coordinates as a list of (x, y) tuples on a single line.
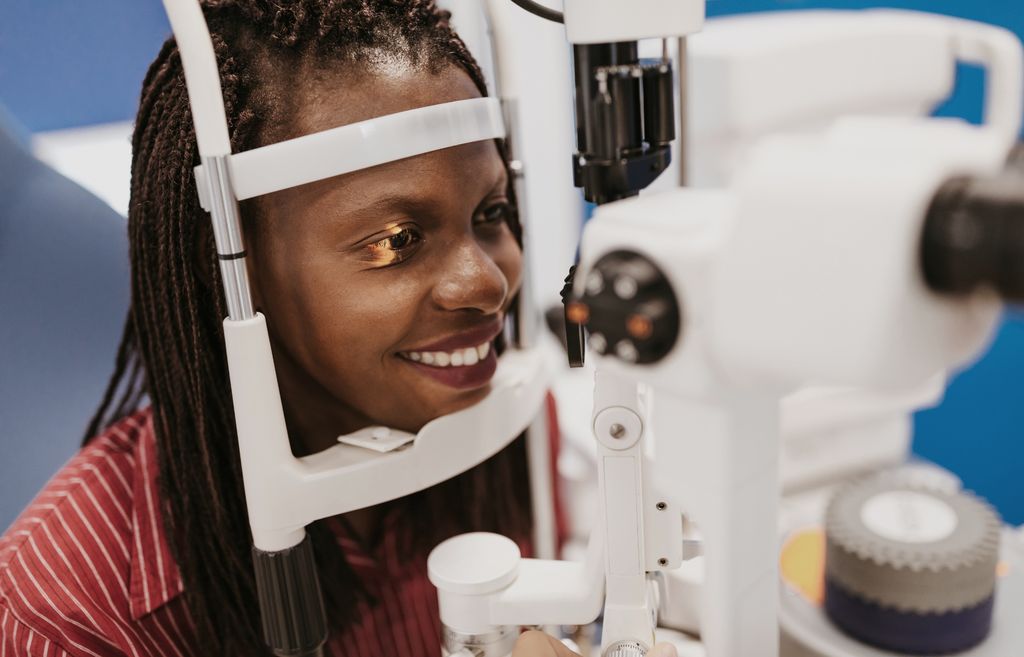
[(385, 288)]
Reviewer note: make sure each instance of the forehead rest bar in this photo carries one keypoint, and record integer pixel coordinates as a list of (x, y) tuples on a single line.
[(358, 146)]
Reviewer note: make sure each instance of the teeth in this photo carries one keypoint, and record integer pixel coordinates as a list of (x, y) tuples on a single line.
[(458, 358)]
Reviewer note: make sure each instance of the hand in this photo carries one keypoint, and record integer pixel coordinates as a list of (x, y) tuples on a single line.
[(538, 644)]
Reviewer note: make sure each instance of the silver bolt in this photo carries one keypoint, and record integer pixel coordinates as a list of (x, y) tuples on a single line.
[(663, 561), (617, 431), (661, 506)]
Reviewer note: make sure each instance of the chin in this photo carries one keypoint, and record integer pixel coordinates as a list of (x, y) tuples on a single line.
[(464, 400)]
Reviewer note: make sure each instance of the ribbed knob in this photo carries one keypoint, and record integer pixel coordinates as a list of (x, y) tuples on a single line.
[(909, 568), (291, 605), (626, 649), (498, 642)]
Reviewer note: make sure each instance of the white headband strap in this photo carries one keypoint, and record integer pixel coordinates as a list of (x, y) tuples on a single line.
[(359, 146)]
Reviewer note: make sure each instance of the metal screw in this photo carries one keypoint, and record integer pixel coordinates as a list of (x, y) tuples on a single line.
[(617, 430), (663, 561), (661, 506)]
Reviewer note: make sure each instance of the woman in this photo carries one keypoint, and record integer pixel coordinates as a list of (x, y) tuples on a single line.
[(141, 545)]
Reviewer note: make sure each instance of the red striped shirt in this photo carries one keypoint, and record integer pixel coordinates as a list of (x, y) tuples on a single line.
[(86, 569)]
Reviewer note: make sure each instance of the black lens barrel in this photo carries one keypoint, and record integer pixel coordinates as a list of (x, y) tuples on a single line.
[(974, 237)]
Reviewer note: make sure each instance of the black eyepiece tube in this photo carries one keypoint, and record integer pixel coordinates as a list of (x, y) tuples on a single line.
[(617, 112), (291, 604), (973, 237), (587, 59), (659, 104)]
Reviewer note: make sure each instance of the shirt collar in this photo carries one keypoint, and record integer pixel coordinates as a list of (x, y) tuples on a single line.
[(155, 579)]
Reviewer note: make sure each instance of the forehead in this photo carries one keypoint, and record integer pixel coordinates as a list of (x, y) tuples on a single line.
[(437, 178), (328, 100)]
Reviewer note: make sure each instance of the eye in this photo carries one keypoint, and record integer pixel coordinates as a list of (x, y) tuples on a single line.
[(494, 214), (397, 246)]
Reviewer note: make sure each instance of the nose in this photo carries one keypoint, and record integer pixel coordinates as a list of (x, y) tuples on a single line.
[(470, 280)]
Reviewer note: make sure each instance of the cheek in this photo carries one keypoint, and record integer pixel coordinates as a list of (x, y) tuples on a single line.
[(364, 316), (334, 317)]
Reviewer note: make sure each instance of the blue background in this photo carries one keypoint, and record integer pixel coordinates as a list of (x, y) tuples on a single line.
[(70, 63)]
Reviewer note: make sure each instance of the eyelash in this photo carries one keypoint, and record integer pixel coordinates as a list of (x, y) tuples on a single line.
[(386, 252), (504, 210)]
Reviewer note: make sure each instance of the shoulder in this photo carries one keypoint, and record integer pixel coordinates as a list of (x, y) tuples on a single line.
[(65, 564), (95, 484)]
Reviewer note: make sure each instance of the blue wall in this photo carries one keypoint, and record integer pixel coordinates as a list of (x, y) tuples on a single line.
[(68, 63)]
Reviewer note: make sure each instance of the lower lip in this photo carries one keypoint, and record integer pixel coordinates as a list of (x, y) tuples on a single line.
[(465, 377)]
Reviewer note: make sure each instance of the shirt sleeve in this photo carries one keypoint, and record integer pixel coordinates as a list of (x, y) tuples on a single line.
[(19, 640)]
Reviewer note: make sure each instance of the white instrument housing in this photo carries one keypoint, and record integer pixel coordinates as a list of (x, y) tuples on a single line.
[(606, 21)]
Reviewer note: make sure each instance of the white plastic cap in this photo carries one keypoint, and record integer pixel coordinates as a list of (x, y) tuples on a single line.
[(474, 564)]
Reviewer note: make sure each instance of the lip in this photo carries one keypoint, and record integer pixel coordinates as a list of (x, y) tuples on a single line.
[(464, 339)]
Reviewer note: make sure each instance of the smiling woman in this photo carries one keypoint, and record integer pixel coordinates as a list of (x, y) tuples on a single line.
[(385, 290)]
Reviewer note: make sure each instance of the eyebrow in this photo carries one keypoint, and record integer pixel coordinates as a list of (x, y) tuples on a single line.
[(410, 203)]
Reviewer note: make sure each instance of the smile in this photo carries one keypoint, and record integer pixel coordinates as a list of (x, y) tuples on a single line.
[(458, 358), (465, 360)]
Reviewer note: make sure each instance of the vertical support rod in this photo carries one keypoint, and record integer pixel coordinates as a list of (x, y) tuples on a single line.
[(682, 135), (526, 335), (227, 232), (724, 451)]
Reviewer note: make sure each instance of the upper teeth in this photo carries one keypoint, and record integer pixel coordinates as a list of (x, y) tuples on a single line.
[(457, 358)]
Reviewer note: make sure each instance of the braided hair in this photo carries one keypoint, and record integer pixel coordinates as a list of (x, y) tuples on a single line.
[(172, 351)]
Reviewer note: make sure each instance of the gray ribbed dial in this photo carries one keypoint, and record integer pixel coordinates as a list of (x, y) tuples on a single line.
[(903, 545)]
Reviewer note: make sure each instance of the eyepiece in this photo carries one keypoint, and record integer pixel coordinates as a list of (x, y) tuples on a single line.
[(974, 237)]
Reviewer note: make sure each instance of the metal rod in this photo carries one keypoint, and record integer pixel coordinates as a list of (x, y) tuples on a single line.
[(527, 329), (683, 111), (528, 320), (227, 232)]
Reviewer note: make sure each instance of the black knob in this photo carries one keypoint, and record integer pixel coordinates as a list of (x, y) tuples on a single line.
[(291, 605), (631, 310), (974, 237)]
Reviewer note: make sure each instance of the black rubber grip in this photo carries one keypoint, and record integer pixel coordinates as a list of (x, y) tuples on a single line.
[(291, 604)]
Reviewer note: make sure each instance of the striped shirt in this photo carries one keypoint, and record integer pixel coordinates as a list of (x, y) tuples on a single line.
[(86, 570)]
